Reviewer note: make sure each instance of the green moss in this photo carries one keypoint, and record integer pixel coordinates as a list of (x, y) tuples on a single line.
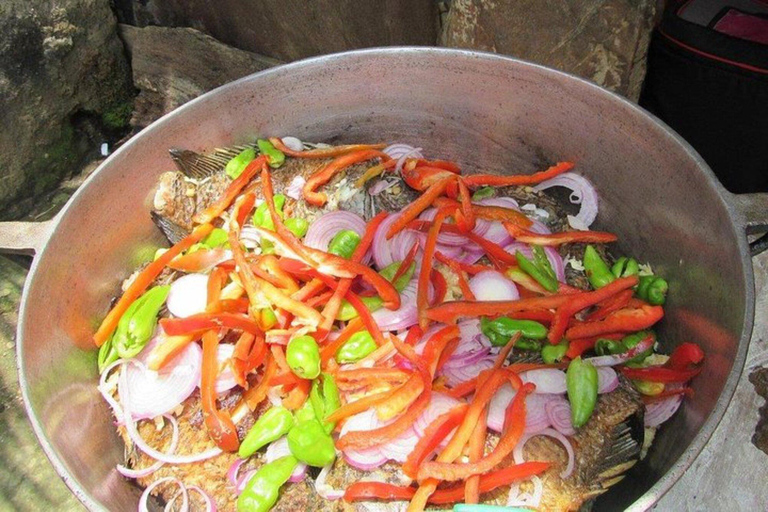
[(118, 115)]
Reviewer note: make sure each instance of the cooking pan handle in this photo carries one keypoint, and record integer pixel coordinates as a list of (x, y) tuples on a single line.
[(753, 209), (26, 238)]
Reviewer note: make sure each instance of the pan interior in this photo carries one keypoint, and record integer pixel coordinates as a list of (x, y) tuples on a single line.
[(485, 112)]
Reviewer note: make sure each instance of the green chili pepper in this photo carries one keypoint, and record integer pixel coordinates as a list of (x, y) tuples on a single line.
[(306, 413), (500, 330), (483, 193), (596, 268), (552, 354), (271, 426), (347, 312), (303, 356), (540, 275), (216, 238), (356, 347), (530, 345), (326, 400), (540, 260), (604, 347), (138, 323), (625, 267), (632, 340), (107, 355), (262, 490), (344, 243), (275, 157), (261, 216), (653, 290), (297, 226), (237, 165), (267, 318), (581, 384), (310, 443)]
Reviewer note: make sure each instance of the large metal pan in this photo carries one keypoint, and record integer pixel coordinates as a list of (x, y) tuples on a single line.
[(485, 111)]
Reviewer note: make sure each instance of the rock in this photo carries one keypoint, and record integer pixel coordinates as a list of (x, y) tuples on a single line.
[(293, 29), (64, 88), (759, 379), (604, 41), (174, 65)]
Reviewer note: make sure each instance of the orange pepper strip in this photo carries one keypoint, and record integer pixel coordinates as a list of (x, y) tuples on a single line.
[(363, 374), (554, 239), (624, 320), (441, 287), (298, 395), (407, 261), (510, 438), (200, 322), (437, 343), (449, 312), (268, 263), (232, 191), (501, 214), (142, 281), (279, 355), (240, 355), (324, 175), (476, 450), (358, 406), (309, 290), (329, 351), (400, 398), (374, 356), (422, 293), (322, 152), (419, 205), (254, 396), (365, 316), (362, 440), (201, 260), (414, 335), (165, 351), (492, 180), (374, 171), (433, 436)]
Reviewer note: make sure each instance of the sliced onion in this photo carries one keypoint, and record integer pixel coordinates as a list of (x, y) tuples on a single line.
[(250, 237), (240, 487), (226, 378), (382, 185), (658, 412), (536, 418), (144, 500), (188, 295), (616, 359), (550, 432), (493, 285), (156, 393), (363, 459), (607, 379), (470, 255), (582, 192), (295, 188), (404, 316), (293, 143), (559, 414), (398, 150), (498, 406), (279, 448), (455, 375), (539, 227), (554, 258), (322, 231), (439, 404), (142, 473), (400, 447), (322, 487), (117, 409), (547, 380), (233, 470), (532, 500), (385, 252)]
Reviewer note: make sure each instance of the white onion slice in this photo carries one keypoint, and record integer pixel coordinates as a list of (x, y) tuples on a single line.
[(498, 406), (322, 487), (322, 230), (385, 252), (279, 448), (143, 501), (455, 375), (547, 380), (439, 404), (536, 418), (559, 413), (293, 143), (295, 189), (658, 412), (363, 459), (400, 447), (188, 295), (493, 285), (399, 149), (582, 192), (607, 379), (142, 473), (517, 453)]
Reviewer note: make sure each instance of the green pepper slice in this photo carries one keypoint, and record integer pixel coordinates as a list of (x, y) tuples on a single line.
[(269, 427), (262, 490), (275, 157), (237, 165), (581, 386)]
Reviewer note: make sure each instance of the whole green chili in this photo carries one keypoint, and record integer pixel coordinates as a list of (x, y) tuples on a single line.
[(548, 282), (604, 347), (500, 330), (529, 345), (356, 347), (303, 357), (344, 243), (270, 426), (107, 355), (297, 225), (581, 385), (596, 268), (325, 399), (275, 157), (138, 323), (237, 165), (653, 290), (262, 490), (625, 267), (541, 261), (554, 353), (311, 443)]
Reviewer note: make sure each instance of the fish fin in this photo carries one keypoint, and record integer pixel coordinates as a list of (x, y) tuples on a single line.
[(172, 231), (625, 440), (197, 166), (230, 152)]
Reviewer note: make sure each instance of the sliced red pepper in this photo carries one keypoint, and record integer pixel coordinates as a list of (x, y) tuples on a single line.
[(493, 180), (465, 218), (475, 451), (419, 205), (356, 407), (685, 355), (323, 152), (623, 320), (324, 175), (437, 343), (660, 374), (449, 312), (554, 239), (465, 267), (201, 260), (441, 287), (493, 250), (309, 290), (490, 213), (414, 335), (433, 436), (466, 291), (232, 191), (365, 316), (142, 281), (372, 374), (254, 396), (298, 395), (205, 321), (374, 171), (608, 306), (407, 261), (269, 263), (421, 177), (400, 398), (582, 301), (422, 292), (328, 351), (579, 346)]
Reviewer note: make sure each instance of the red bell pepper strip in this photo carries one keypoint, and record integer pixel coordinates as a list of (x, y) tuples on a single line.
[(422, 293), (419, 205), (298, 395), (323, 152), (363, 440), (358, 406), (433, 436), (465, 267), (268, 263), (200, 322), (582, 301), (400, 398), (324, 175), (327, 352), (365, 315), (201, 260), (254, 396), (407, 261), (608, 306), (465, 217), (660, 374), (414, 335), (555, 239), (232, 191), (449, 312), (422, 177), (309, 290), (577, 347), (685, 355), (623, 320), (510, 438), (437, 344), (441, 287), (142, 281), (246, 356), (475, 451), (490, 213), (492, 180), (493, 250)]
